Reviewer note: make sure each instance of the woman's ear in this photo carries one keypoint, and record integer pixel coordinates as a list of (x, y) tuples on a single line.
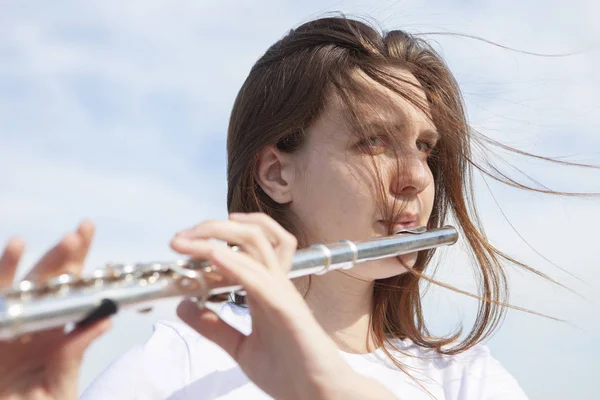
[(275, 174)]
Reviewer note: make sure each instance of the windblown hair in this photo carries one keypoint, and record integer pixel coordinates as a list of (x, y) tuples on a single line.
[(287, 89)]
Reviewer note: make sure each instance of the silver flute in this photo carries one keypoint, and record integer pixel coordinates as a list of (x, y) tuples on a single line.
[(69, 300)]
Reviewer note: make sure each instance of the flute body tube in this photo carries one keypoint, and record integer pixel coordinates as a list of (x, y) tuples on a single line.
[(65, 299)]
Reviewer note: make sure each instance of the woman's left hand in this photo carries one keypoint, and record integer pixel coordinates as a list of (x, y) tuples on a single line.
[(45, 365), (288, 354)]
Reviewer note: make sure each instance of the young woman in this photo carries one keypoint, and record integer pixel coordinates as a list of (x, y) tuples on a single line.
[(339, 132)]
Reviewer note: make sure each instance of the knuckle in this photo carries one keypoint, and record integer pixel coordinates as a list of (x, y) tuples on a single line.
[(290, 240), (255, 232), (251, 234), (263, 217), (207, 223)]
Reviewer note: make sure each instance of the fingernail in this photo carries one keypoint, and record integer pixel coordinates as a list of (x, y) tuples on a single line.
[(182, 241), (85, 224), (183, 233), (187, 308), (104, 326), (15, 243)]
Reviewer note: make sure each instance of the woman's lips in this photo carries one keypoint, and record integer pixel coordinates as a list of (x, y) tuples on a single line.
[(405, 224)]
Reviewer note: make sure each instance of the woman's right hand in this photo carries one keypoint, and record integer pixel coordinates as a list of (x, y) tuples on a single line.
[(45, 365), (288, 354)]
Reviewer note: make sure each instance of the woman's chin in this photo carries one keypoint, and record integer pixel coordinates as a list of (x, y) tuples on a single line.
[(408, 260)]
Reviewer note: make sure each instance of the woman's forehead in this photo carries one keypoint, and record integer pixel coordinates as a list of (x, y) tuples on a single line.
[(400, 76), (376, 107)]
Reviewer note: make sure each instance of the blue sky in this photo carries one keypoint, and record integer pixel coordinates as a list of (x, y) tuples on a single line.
[(117, 111)]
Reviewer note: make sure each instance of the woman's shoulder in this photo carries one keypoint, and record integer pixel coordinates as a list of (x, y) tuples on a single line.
[(425, 355), (475, 370), (474, 360), (408, 353)]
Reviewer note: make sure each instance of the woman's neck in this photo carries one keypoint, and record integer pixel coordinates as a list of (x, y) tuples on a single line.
[(342, 305)]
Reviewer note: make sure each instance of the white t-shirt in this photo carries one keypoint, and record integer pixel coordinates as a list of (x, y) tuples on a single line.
[(177, 363)]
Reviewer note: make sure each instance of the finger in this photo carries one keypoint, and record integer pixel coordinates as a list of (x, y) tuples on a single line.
[(209, 325), (10, 260), (258, 282), (86, 232), (195, 248), (285, 243), (250, 237), (273, 230), (77, 341), (56, 260)]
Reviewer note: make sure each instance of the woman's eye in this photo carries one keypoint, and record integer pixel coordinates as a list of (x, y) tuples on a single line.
[(425, 146), (374, 143)]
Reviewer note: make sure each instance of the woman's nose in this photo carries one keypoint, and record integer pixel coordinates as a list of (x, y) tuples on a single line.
[(410, 175)]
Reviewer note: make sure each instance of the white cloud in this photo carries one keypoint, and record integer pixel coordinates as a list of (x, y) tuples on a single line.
[(135, 214)]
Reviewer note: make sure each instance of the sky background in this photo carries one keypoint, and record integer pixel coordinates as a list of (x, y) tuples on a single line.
[(118, 111)]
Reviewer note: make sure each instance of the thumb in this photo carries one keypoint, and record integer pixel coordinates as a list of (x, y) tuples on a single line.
[(209, 325), (77, 341), (68, 352)]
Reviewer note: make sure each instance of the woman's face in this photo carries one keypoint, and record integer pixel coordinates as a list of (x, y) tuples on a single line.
[(335, 193)]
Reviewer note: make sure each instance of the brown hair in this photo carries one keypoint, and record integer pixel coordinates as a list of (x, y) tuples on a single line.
[(286, 91)]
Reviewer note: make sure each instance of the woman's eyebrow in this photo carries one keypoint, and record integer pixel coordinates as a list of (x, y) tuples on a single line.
[(382, 126)]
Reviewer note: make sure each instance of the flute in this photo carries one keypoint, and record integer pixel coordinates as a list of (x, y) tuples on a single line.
[(66, 299)]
